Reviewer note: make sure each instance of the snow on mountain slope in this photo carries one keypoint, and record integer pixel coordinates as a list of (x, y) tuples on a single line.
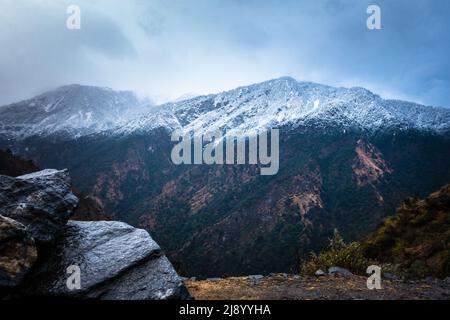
[(157, 118), (285, 101), (72, 110), (80, 110)]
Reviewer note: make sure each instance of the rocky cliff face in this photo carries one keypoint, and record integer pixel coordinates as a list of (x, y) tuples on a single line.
[(38, 244)]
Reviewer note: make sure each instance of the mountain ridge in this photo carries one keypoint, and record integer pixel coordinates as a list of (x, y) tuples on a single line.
[(284, 101), (248, 109)]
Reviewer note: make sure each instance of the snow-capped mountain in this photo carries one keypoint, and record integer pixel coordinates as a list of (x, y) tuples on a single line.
[(285, 101), (215, 215), (72, 110), (80, 110)]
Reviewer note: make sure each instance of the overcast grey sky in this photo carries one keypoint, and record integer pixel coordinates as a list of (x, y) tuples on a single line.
[(167, 48)]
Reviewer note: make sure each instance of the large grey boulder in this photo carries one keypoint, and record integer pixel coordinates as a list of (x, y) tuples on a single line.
[(18, 252), (42, 252), (116, 261), (41, 201)]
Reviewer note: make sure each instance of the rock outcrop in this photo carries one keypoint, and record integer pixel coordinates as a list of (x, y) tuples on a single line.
[(41, 201), (40, 250)]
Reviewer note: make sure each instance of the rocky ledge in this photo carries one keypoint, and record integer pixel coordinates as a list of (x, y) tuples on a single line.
[(42, 252)]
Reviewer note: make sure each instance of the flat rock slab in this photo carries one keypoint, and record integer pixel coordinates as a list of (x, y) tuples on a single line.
[(153, 280), (116, 261)]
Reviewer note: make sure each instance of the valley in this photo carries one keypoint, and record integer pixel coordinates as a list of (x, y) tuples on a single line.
[(346, 163)]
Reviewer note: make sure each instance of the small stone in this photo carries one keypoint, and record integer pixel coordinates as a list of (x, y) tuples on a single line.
[(319, 273), (339, 271), (255, 279), (390, 276), (213, 279)]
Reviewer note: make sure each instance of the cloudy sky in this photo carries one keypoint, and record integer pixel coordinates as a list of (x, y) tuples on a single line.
[(169, 48)]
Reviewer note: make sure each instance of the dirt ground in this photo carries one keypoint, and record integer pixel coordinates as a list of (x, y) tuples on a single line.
[(288, 287)]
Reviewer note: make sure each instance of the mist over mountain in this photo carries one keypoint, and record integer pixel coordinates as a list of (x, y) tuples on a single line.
[(72, 110), (347, 160)]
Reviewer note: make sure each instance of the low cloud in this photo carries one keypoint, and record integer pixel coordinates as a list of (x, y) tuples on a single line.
[(168, 48)]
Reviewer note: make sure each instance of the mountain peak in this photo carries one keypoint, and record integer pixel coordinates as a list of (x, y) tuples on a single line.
[(71, 109), (286, 79)]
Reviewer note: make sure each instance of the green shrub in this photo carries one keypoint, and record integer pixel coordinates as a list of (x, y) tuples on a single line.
[(349, 256)]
